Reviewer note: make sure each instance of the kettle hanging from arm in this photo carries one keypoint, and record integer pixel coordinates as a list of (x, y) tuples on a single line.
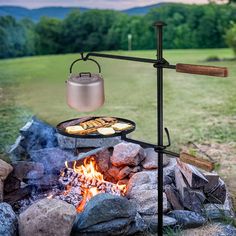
[(85, 91)]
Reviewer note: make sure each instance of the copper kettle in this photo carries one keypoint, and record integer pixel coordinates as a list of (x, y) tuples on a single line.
[(85, 91)]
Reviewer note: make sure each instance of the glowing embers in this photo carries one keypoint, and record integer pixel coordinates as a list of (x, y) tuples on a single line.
[(82, 182)]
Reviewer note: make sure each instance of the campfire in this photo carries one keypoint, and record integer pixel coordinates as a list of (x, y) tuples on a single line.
[(81, 182)]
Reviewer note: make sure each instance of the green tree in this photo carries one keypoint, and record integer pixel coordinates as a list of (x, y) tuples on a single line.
[(88, 31), (48, 36), (12, 38), (230, 37), (30, 39)]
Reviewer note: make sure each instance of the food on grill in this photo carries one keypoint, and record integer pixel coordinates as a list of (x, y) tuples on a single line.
[(98, 123), (76, 121), (106, 131), (74, 129), (121, 126), (101, 125), (101, 121), (87, 131)]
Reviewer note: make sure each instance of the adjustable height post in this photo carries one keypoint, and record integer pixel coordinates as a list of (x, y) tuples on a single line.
[(159, 26)]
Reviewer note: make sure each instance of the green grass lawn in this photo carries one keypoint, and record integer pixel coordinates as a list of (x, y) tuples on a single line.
[(197, 108)]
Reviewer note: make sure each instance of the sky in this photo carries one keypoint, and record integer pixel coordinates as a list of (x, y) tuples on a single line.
[(103, 4)]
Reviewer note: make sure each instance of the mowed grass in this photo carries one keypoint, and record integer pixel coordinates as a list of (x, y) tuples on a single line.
[(197, 108)]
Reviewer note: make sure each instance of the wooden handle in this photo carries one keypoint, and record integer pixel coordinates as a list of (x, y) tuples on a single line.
[(202, 70), (196, 161)]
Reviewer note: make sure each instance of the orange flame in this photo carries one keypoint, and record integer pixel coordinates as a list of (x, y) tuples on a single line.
[(89, 171)]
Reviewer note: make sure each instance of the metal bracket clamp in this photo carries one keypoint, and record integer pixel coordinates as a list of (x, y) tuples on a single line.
[(161, 148), (161, 63)]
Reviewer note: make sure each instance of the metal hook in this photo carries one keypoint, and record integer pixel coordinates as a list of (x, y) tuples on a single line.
[(82, 56), (84, 59), (168, 138)]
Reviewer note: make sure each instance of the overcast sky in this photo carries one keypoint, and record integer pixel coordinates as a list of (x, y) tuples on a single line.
[(110, 4)]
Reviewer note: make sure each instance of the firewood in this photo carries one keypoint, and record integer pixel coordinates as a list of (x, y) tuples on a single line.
[(11, 184), (213, 181), (193, 176), (192, 199), (197, 161), (17, 195), (173, 197), (217, 195)]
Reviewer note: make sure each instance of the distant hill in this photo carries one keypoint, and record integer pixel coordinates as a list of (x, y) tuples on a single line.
[(61, 12), (142, 10), (36, 14)]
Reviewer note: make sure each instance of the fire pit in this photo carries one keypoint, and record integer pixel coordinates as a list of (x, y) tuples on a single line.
[(107, 191)]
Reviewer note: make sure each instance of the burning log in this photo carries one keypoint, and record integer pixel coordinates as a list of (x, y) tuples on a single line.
[(82, 182)]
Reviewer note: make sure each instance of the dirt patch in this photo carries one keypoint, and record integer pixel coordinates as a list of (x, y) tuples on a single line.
[(211, 229)]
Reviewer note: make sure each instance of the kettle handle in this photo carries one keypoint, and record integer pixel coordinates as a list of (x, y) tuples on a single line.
[(71, 66), (85, 73)]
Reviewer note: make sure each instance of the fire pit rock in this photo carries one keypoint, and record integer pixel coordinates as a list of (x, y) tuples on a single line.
[(47, 217), (107, 214), (150, 161), (144, 180), (8, 220), (152, 222), (5, 170), (127, 154), (187, 219), (53, 159), (28, 170), (35, 135)]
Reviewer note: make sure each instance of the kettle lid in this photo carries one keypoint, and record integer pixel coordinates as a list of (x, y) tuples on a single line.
[(85, 78)]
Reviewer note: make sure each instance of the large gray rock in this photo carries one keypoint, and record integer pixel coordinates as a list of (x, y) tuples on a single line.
[(118, 226), (152, 222), (151, 159), (5, 169), (105, 214), (28, 170), (217, 211), (8, 220), (65, 142), (103, 160), (53, 159), (127, 154), (48, 217), (142, 189), (138, 226), (228, 230), (187, 219), (146, 201), (35, 135), (147, 178)]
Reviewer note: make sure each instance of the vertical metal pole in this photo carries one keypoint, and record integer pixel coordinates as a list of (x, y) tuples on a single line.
[(159, 26)]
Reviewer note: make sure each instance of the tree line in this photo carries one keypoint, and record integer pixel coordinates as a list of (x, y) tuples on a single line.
[(189, 26)]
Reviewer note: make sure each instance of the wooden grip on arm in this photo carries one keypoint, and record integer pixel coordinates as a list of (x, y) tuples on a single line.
[(202, 70)]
